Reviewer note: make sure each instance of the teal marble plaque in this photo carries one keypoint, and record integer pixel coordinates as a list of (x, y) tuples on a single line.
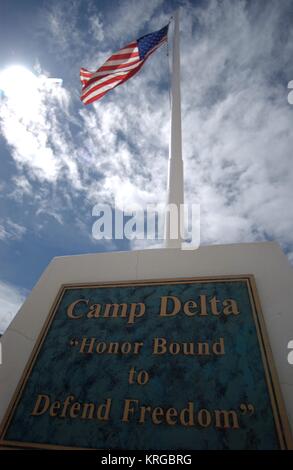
[(181, 364)]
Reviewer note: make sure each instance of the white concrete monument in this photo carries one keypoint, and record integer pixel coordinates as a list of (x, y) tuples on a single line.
[(209, 264)]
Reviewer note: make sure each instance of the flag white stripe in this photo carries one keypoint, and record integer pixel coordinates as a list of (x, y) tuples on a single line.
[(127, 50), (87, 75), (115, 70), (101, 80), (101, 90), (121, 61)]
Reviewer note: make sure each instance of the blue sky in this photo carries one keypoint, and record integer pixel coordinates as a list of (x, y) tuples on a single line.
[(59, 158)]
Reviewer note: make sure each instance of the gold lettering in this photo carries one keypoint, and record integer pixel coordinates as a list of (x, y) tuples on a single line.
[(101, 347), (143, 410), (203, 306), (126, 348), (214, 301), (137, 347), (187, 415), (230, 307), (94, 311), (203, 349), (112, 310), (71, 307), (171, 413), (88, 411), (134, 313), (174, 348), (190, 308), (157, 414), (113, 348), (74, 410), (128, 409), (188, 349), (54, 408), (204, 418), (219, 347), (104, 410), (164, 305), (38, 409), (159, 346), (223, 419), (87, 346), (67, 401)]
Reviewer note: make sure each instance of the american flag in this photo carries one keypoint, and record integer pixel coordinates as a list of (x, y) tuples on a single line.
[(120, 66)]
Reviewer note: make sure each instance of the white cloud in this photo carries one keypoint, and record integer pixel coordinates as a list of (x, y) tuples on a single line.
[(238, 132), (33, 125), (61, 21), (129, 150), (128, 17), (60, 29), (237, 124), (11, 299), (10, 230), (21, 187), (97, 27)]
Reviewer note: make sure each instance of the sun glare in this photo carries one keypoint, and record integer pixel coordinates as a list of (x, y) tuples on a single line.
[(17, 80), (21, 87)]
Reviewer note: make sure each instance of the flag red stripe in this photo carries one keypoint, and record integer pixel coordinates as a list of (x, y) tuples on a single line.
[(131, 44), (103, 73), (126, 77), (124, 56), (104, 88), (94, 98), (100, 85), (102, 79), (87, 74), (118, 68)]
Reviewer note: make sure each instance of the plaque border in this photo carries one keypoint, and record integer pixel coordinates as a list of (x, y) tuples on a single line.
[(272, 381)]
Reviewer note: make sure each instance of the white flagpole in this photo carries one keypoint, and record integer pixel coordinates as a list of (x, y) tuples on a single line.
[(175, 168)]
